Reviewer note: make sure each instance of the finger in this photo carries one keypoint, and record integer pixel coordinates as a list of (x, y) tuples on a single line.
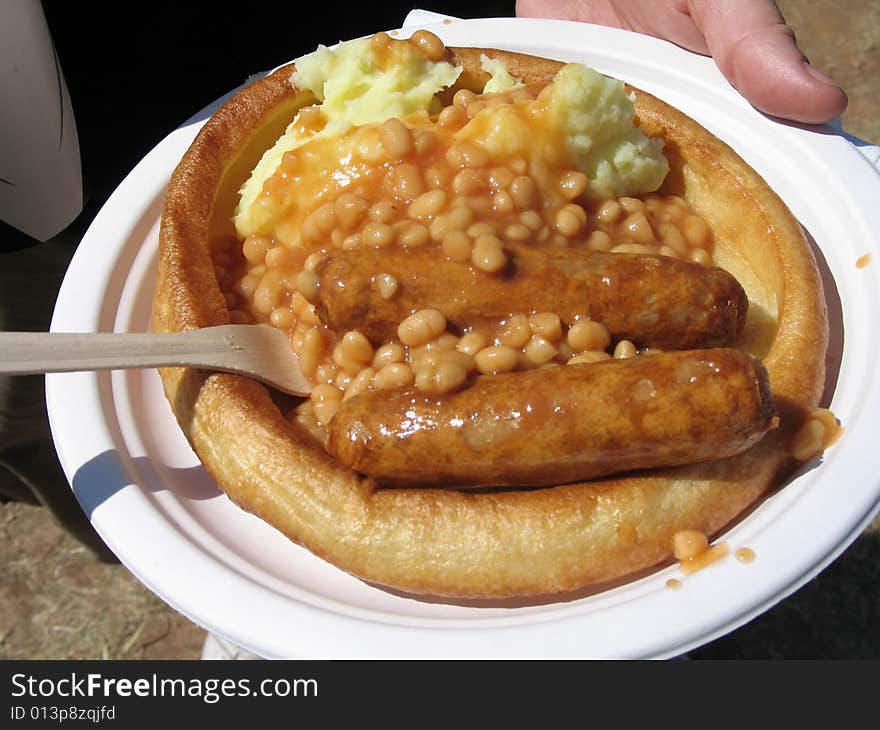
[(670, 20), (757, 53), (560, 9)]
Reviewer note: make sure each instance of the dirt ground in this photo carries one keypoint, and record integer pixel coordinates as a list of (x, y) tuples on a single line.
[(59, 600)]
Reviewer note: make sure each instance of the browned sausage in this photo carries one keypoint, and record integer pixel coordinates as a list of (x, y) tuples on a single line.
[(655, 301), (561, 424)]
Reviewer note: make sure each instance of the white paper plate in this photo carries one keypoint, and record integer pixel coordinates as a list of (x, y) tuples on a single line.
[(148, 497)]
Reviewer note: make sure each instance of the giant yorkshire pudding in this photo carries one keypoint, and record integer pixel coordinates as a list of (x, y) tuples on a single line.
[(500, 542)]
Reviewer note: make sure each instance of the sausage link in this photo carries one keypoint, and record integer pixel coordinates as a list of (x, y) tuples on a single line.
[(561, 424), (655, 301)]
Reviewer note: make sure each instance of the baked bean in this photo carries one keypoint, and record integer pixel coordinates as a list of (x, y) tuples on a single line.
[(500, 178), (413, 235), (255, 248), (517, 232), (427, 204), (453, 117), (393, 375), (496, 359), (457, 246), (281, 257), (460, 217), (488, 254), (587, 334), (311, 350), (383, 212), (359, 384), (268, 293), (631, 205), (540, 350), (325, 372), (475, 107), (609, 212), (586, 358), (446, 342), (386, 285), (350, 210), (531, 219), (463, 97), (570, 220), (309, 230), (502, 202), (349, 243), (380, 43), (471, 343), (444, 377), (515, 331), (407, 183), (518, 166), (437, 177), (377, 235), (481, 228), (342, 379), (312, 260), (349, 366), (424, 141), (462, 358), (439, 227), (599, 241), (671, 236), (701, 256), (624, 350), (637, 226), (421, 327), (306, 315), (468, 182), (396, 137), (429, 45), (368, 145), (282, 318), (466, 154), (247, 285), (307, 283), (388, 353), (325, 400), (355, 346), (524, 192), (546, 325), (572, 184)]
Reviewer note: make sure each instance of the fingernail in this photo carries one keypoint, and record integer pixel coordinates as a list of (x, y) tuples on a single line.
[(817, 74)]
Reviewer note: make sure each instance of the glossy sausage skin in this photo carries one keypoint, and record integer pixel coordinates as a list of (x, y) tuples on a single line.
[(655, 301), (561, 424)]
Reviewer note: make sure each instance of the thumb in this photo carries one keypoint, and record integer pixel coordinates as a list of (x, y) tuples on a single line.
[(757, 53)]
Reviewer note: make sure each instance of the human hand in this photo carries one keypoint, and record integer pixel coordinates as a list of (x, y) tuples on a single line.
[(749, 40)]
